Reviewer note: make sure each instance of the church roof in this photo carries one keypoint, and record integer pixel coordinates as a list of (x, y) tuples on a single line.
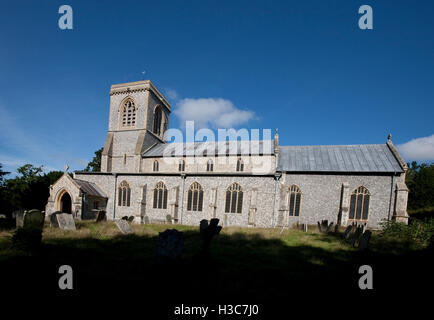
[(90, 188), (349, 158), (210, 148)]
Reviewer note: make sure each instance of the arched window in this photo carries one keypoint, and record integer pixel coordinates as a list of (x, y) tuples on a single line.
[(181, 167), (209, 166), (359, 204), (294, 200), (195, 197), (128, 113), (124, 194), (156, 166), (234, 199), (158, 116), (160, 196), (240, 165)]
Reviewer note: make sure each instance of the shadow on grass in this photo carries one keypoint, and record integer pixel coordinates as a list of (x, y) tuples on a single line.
[(241, 267)]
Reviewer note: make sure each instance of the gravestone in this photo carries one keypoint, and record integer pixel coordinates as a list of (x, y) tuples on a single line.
[(169, 219), (319, 227), (101, 216), (124, 226), (356, 236), (125, 218), (348, 231), (207, 232), (304, 226), (53, 219), (169, 245), (336, 228), (329, 227), (2, 216), (19, 219), (65, 221), (203, 225), (146, 220), (364, 240), (130, 219), (34, 219)]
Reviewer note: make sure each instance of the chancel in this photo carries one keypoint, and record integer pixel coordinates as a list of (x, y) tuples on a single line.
[(144, 176)]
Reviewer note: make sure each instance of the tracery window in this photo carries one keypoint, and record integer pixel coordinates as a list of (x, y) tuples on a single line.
[(294, 200), (124, 194), (195, 197), (359, 204), (160, 196), (234, 199)]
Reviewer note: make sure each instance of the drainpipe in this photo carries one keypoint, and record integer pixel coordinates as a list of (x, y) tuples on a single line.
[(276, 182), (391, 196), (182, 197), (114, 196)]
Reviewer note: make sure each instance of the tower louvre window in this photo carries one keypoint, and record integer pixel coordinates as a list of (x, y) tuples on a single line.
[(240, 165), (210, 166), (128, 113)]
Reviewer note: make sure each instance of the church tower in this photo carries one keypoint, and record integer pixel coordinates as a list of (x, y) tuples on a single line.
[(139, 117)]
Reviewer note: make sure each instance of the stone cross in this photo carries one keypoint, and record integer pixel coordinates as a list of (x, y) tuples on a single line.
[(207, 232)]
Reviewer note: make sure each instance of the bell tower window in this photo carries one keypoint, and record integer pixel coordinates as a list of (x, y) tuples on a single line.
[(128, 114)]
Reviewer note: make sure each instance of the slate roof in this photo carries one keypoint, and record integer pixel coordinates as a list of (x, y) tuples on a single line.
[(210, 148), (90, 188), (349, 158)]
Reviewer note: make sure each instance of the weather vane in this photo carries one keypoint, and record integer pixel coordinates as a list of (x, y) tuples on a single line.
[(143, 72)]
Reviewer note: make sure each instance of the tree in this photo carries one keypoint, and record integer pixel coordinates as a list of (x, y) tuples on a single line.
[(95, 164), (2, 174), (28, 190), (420, 182)]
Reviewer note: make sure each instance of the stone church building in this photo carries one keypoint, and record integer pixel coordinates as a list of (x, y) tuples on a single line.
[(243, 183)]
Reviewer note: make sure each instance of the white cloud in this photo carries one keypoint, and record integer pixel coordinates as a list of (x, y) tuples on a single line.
[(212, 112), (420, 149), (172, 94)]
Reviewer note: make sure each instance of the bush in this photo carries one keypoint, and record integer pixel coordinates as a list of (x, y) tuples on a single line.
[(418, 232), (27, 239)]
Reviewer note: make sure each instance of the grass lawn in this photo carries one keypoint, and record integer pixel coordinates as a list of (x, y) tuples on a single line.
[(252, 263)]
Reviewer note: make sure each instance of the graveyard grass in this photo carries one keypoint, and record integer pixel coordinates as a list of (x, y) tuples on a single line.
[(257, 263)]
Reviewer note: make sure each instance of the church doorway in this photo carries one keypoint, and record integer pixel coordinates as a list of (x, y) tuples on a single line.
[(65, 203)]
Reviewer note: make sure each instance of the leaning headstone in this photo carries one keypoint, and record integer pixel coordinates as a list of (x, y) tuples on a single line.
[(329, 227), (124, 226), (356, 236), (364, 240), (53, 219), (348, 231), (169, 245), (34, 219), (101, 216), (65, 221)]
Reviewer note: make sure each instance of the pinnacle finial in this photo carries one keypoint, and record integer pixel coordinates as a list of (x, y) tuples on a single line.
[(66, 168), (389, 136)]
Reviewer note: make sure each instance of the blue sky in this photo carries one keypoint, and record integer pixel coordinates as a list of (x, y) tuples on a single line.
[(304, 67)]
